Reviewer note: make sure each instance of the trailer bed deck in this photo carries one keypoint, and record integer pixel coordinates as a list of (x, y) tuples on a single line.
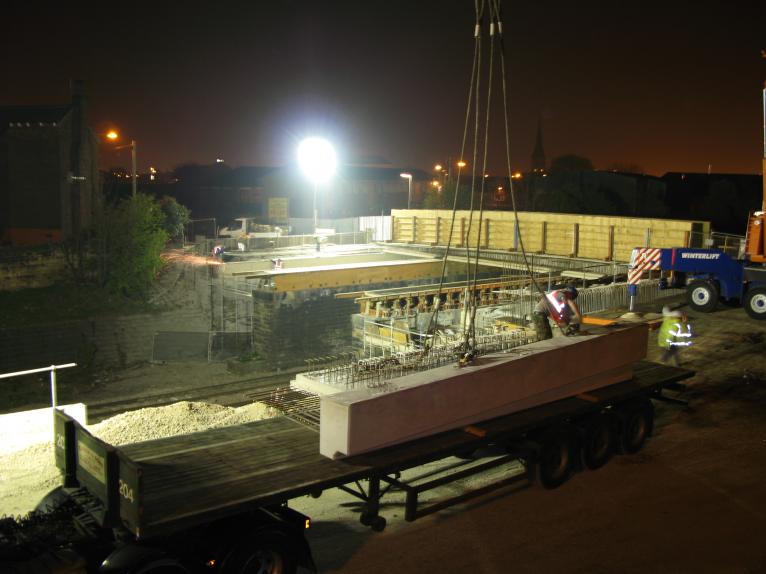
[(180, 481)]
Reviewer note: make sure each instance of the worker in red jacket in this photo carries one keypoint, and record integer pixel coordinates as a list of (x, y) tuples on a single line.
[(560, 306)]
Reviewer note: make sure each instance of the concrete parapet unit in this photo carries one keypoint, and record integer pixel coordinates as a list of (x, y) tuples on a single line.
[(448, 397)]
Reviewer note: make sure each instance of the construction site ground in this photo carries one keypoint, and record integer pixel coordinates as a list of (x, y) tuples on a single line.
[(693, 500)]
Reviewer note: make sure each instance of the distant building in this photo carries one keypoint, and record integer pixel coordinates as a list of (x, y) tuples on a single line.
[(224, 193), (49, 179)]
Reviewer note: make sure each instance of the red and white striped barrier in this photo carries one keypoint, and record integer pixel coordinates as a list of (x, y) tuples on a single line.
[(643, 259)]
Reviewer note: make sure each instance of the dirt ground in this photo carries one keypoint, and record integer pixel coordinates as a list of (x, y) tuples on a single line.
[(694, 500)]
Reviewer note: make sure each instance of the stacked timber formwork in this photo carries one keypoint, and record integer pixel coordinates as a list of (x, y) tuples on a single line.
[(592, 236)]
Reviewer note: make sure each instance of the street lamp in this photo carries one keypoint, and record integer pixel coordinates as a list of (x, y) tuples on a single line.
[(408, 177), (114, 136), (317, 160)]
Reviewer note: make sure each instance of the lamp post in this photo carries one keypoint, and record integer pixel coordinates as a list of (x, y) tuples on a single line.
[(408, 177), (113, 135), (317, 160)]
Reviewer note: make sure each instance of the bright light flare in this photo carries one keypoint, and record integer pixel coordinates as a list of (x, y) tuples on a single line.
[(112, 135), (461, 163), (317, 159), (182, 257)]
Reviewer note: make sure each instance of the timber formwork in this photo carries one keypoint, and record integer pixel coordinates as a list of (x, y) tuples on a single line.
[(599, 237)]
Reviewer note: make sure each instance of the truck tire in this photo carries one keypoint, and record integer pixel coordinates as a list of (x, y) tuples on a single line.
[(552, 466), (598, 441), (702, 296), (755, 303), (263, 556), (637, 425)]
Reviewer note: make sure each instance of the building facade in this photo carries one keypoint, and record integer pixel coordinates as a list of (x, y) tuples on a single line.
[(49, 179)]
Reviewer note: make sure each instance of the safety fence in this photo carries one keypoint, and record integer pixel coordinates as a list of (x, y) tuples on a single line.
[(593, 299), (405, 329), (205, 346)]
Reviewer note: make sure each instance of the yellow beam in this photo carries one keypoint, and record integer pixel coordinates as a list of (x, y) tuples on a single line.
[(358, 274)]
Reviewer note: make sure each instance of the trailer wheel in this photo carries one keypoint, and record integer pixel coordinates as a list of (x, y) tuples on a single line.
[(263, 556), (376, 523), (598, 442), (553, 464), (702, 296), (637, 425), (755, 303)]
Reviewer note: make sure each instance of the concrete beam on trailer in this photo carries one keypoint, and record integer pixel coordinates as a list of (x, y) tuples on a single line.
[(428, 402)]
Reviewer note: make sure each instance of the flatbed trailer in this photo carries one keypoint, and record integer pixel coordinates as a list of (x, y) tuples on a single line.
[(228, 489)]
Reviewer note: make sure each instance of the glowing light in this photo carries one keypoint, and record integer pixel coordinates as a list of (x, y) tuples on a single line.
[(435, 183), (406, 175), (112, 135), (438, 167), (219, 160), (317, 160), (461, 163), (516, 175), (307, 524)]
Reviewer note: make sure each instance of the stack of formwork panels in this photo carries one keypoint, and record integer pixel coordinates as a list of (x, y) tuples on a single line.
[(449, 397), (588, 236)]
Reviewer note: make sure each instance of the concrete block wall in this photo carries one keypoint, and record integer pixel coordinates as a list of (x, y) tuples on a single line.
[(292, 327), (32, 269)]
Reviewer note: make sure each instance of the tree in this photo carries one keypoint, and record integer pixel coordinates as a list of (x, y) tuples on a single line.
[(176, 217), (571, 162), (132, 235)]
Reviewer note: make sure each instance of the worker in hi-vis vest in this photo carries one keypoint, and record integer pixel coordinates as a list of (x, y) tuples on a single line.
[(675, 334), (560, 306)]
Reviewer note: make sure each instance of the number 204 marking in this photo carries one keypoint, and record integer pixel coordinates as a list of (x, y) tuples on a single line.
[(125, 491)]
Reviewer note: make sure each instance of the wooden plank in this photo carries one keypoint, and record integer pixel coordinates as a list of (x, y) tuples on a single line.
[(589, 320)]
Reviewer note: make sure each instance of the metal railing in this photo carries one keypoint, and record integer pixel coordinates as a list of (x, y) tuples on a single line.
[(386, 336), (52, 369)]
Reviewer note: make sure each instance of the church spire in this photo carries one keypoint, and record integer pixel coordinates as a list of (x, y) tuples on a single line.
[(538, 155)]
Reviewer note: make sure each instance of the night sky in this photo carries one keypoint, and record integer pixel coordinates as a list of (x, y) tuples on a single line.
[(664, 85)]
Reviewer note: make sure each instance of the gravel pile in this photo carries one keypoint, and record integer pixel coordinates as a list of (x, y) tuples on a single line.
[(179, 418), (28, 474)]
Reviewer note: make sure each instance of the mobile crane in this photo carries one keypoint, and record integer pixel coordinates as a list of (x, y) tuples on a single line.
[(710, 274)]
